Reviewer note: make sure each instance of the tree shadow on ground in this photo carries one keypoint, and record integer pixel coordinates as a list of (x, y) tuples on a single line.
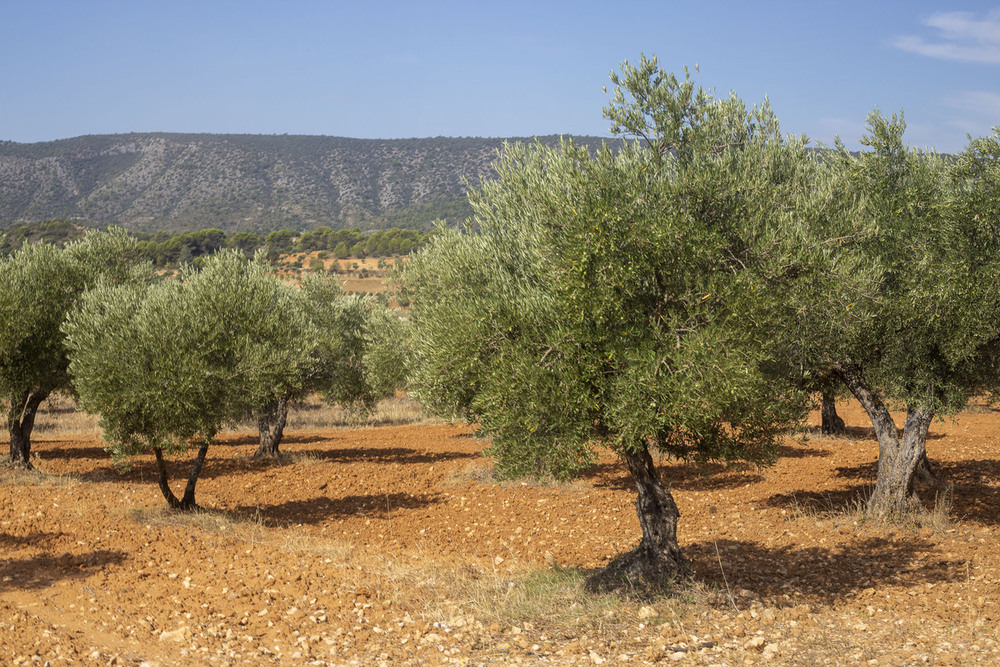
[(43, 571), (143, 468), (69, 453), (35, 539), (818, 574), (322, 508), (383, 455), (975, 489), (822, 503), (972, 487), (253, 440), (803, 451), (857, 433), (690, 476)]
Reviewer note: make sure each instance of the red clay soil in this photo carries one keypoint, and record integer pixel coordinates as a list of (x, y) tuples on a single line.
[(331, 558)]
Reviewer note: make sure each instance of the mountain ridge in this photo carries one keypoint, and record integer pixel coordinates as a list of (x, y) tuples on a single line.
[(155, 181)]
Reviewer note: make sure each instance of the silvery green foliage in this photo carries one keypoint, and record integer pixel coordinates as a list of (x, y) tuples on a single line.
[(175, 360), (922, 325), (627, 299), (39, 285), (386, 356), (359, 355)]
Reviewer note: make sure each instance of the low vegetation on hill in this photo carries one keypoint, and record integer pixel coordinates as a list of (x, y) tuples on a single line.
[(162, 181)]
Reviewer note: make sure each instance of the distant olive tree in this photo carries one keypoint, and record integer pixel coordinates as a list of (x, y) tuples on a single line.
[(357, 356), (626, 299), (39, 285), (167, 365)]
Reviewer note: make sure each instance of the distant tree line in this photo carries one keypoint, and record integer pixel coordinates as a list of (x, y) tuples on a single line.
[(169, 249), (58, 232)]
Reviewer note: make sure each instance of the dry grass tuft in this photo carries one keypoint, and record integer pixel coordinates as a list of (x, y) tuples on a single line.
[(251, 529), (17, 476), (58, 415), (479, 472), (313, 414), (938, 518)]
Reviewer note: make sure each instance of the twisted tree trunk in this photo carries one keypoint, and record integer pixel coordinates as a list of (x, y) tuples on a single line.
[(658, 556), (20, 423), (902, 461), (187, 502), (275, 414)]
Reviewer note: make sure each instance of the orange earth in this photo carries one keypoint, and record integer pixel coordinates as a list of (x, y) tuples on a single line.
[(391, 545)]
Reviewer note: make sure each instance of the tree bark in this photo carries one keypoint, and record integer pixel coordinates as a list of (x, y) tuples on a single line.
[(902, 461), (187, 502), (832, 424), (20, 422), (895, 493), (161, 478), (658, 554), (277, 414)]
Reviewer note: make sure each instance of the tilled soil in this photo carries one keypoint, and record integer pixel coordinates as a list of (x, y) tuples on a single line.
[(367, 547)]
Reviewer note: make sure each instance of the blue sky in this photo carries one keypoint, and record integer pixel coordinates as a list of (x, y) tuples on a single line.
[(417, 69)]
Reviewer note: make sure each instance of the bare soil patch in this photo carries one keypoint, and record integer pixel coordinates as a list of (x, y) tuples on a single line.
[(392, 545)]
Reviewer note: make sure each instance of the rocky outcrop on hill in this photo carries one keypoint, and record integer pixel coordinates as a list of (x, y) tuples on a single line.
[(148, 182)]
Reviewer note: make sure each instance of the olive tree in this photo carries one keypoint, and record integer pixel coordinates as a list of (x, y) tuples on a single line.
[(922, 329), (39, 285), (623, 299), (357, 357), (168, 365)]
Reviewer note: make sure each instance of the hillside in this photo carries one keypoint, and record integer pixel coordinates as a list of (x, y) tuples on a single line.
[(161, 181)]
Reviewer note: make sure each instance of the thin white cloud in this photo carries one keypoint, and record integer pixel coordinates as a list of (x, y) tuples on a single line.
[(961, 36)]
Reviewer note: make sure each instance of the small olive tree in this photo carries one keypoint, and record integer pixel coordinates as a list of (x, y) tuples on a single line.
[(629, 300), (39, 285), (357, 356), (167, 365)]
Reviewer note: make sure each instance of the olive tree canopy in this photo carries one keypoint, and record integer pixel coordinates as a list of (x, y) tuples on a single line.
[(39, 285), (169, 364), (357, 356), (921, 328), (624, 299)]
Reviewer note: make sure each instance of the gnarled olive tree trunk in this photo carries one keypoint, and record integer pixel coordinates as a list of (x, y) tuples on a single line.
[(20, 422), (271, 426), (658, 554), (831, 423), (187, 502), (902, 461)]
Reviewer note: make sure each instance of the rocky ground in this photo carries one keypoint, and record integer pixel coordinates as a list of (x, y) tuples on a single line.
[(391, 545)]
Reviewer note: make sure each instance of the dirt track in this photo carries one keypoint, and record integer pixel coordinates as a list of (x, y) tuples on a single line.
[(371, 545)]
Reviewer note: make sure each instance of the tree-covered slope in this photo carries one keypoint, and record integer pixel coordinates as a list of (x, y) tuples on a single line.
[(148, 182)]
